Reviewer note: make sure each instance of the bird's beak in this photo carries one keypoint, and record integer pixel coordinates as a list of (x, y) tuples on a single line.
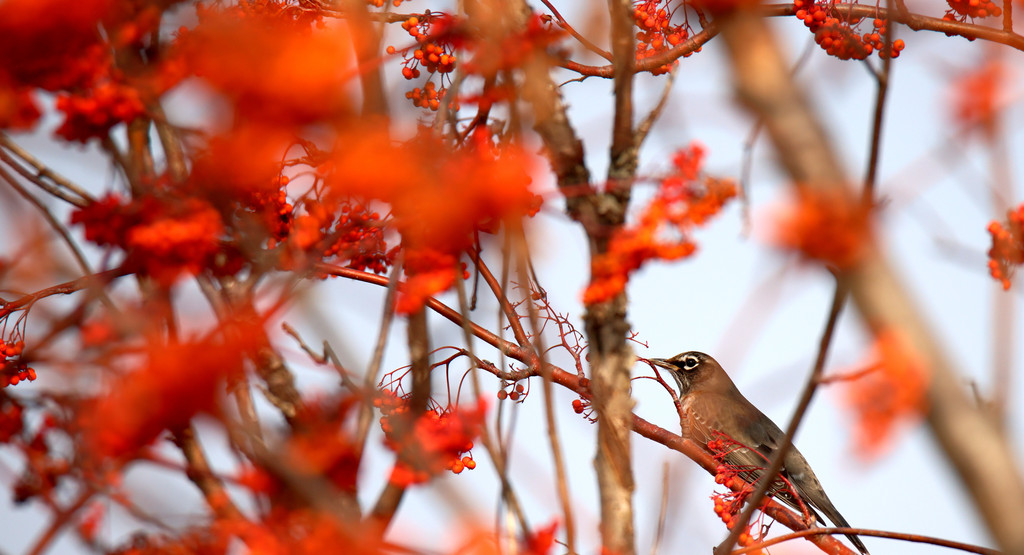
[(662, 363)]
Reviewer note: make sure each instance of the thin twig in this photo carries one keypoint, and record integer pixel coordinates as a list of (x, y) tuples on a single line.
[(59, 521), (871, 173), (497, 455), (370, 379), (55, 224), (561, 479), (644, 127), (199, 472), (583, 40), (662, 511), (43, 171), (914, 538)]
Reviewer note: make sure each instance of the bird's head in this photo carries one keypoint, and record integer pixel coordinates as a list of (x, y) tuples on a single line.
[(690, 369)]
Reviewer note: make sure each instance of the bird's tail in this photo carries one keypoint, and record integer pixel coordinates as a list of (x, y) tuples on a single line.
[(838, 520)]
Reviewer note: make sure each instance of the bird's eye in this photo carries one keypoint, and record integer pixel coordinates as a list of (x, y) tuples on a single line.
[(690, 362)]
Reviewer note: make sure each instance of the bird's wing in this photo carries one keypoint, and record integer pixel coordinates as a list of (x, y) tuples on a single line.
[(709, 415), (758, 438)]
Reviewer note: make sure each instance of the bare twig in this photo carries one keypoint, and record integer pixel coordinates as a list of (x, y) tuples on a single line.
[(60, 519), (914, 538), (561, 479), (42, 173), (370, 379), (666, 486), (495, 452), (644, 128), (199, 472), (419, 353), (583, 40)]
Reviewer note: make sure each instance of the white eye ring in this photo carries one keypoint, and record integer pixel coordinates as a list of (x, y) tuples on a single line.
[(690, 362)]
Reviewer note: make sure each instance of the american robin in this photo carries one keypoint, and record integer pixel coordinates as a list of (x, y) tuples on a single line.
[(711, 403)]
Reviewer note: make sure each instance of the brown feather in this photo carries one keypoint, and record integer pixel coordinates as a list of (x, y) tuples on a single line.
[(712, 405)]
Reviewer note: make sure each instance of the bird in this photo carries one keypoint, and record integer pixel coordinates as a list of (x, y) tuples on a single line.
[(712, 406)]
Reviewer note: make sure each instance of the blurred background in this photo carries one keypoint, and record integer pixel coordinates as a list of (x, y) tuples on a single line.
[(758, 310)]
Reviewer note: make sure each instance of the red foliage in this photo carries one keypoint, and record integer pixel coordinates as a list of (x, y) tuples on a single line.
[(541, 540), (174, 382), (11, 422), (322, 445), (18, 109), (51, 44), (683, 202), (439, 197), (95, 111), (436, 441), (894, 391), (280, 532), (430, 272), (302, 68), (242, 166), (162, 238), (979, 97), (832, 227)]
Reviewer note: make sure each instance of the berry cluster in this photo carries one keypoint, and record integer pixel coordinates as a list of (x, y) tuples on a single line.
[(432, 53), (162, 237), (380, 3), (657, 34), (435, 55), (972, 9), (13, 371), (580, 405), (728, 504), (830, 226), (275, 209), (518, 393), (360, 239), (93, 113), (429, 96), (1007, 250), (838, 38), (438, 439), (684, 201)]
